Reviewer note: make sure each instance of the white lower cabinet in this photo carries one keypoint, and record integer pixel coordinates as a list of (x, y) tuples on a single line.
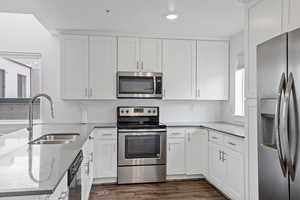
[(187, 150), (105, 155), (87, 168), (226, 164)]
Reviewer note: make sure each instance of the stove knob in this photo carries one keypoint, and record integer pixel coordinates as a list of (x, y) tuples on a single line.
[(154, 111), (122, 111), (127, 111), (149, 111)]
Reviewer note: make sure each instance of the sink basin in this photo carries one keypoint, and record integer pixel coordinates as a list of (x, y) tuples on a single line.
[(57, 138)]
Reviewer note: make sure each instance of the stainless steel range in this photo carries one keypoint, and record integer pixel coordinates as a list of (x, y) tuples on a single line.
[(141, 145)]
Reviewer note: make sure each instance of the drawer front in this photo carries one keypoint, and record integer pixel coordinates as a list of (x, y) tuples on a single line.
[(176, 132), (234, 143), (216, 137), (105, 133)]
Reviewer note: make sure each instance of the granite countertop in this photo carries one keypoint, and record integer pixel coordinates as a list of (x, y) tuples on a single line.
[(228, 128), (37, 169)]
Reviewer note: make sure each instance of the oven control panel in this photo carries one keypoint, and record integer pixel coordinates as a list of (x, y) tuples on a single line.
[(138, 111)]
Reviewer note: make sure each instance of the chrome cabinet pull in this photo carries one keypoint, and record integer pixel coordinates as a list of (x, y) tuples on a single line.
[(137, 65), (63, 196), (223, 156), (198, 93), (277, 122), (91, 92), (92, 157), (213, 137), (288, 131), (107, 134), (220, 155), (142, 65), (86, 92), (91, 138)]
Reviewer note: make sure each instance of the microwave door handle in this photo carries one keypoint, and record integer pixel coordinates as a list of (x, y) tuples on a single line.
[(154, 85)]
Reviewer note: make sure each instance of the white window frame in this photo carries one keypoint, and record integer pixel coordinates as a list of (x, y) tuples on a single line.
[(239, 89)]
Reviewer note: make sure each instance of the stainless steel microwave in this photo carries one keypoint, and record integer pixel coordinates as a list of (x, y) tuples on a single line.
[(139, 85)]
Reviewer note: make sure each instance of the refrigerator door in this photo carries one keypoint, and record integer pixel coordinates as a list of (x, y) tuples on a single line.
[(272, 68), (293, 116)]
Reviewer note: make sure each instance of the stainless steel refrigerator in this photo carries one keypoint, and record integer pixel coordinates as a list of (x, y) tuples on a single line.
[(278, 62)]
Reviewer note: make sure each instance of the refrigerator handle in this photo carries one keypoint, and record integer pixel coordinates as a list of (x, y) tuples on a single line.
[(291, 140), (277, 121)]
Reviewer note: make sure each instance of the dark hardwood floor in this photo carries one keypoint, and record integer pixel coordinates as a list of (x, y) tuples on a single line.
[(177, 190)]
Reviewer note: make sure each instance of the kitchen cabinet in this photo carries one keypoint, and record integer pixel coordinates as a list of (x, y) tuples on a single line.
[(179, 68), (102, 67), (265, 22), (212, 70), (293, 14), (105, 153), (87, 168), (226, 164), (139, 54), (176, 151), (88, 68), (197, 151), (75, 61)]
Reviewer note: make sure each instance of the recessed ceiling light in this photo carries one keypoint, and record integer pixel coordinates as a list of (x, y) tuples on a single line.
[(172, 16)]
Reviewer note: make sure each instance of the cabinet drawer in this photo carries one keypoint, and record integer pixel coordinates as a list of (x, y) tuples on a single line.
[(233, 143), (216, 137), (176, 133), (105, 133)]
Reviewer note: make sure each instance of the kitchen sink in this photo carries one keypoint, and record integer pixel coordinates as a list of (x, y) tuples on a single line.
[(56, 138)]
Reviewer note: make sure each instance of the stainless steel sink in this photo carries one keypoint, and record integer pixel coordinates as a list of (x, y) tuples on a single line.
[(57, 138)]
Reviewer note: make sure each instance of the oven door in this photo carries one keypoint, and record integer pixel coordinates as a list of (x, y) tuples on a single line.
[(139, 85), (141, 147)]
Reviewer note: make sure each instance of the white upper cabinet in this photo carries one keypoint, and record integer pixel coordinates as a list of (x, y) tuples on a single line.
[(74, 73), (102, 70), (139, 54), (179, 66), (88, 67), (294, 14), (265, 20), (128, 54), (212, 70), (150, 55)]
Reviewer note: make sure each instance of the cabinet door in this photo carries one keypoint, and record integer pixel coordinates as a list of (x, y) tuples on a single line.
[(179, 66), (150, 55), (234, 175), (128, 54), (193, 152), (74, 69), (176, 156), (105, 158), (294, 15), (212, 70), (265, 22), (102, 67), (216, 165)]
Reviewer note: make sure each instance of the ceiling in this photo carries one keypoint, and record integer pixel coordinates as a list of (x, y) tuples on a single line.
[(200, 18)]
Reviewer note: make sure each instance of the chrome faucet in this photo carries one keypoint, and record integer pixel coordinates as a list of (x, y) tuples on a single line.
[(33, 99)]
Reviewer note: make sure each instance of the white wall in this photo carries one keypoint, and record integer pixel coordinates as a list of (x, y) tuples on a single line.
[(236, 48), (23, 33)]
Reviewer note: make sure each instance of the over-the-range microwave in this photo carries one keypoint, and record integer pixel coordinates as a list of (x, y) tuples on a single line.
[(139, 85)]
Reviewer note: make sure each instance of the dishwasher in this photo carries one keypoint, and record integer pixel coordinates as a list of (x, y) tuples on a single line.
[(74, 178)]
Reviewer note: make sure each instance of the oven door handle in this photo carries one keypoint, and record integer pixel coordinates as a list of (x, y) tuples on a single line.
[(141, 130)]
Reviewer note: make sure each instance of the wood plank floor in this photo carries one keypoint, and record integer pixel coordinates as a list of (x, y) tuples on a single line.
[(177, 190)]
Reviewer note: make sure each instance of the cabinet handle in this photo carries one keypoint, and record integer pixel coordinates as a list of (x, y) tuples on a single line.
[(142, 65), (137, 64), (86, 92), (231, 143), (87, 165), (91, 138), (164, 92), (220, 155), (214, 137), (169, 147), (107, 134), (92, 157), (189, 137), (223, 156), (91, 92), (198, 93)]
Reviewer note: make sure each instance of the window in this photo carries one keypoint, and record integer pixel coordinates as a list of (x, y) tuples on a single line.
[(19, 81), (2, 83), (239, 88), (22, 86)]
